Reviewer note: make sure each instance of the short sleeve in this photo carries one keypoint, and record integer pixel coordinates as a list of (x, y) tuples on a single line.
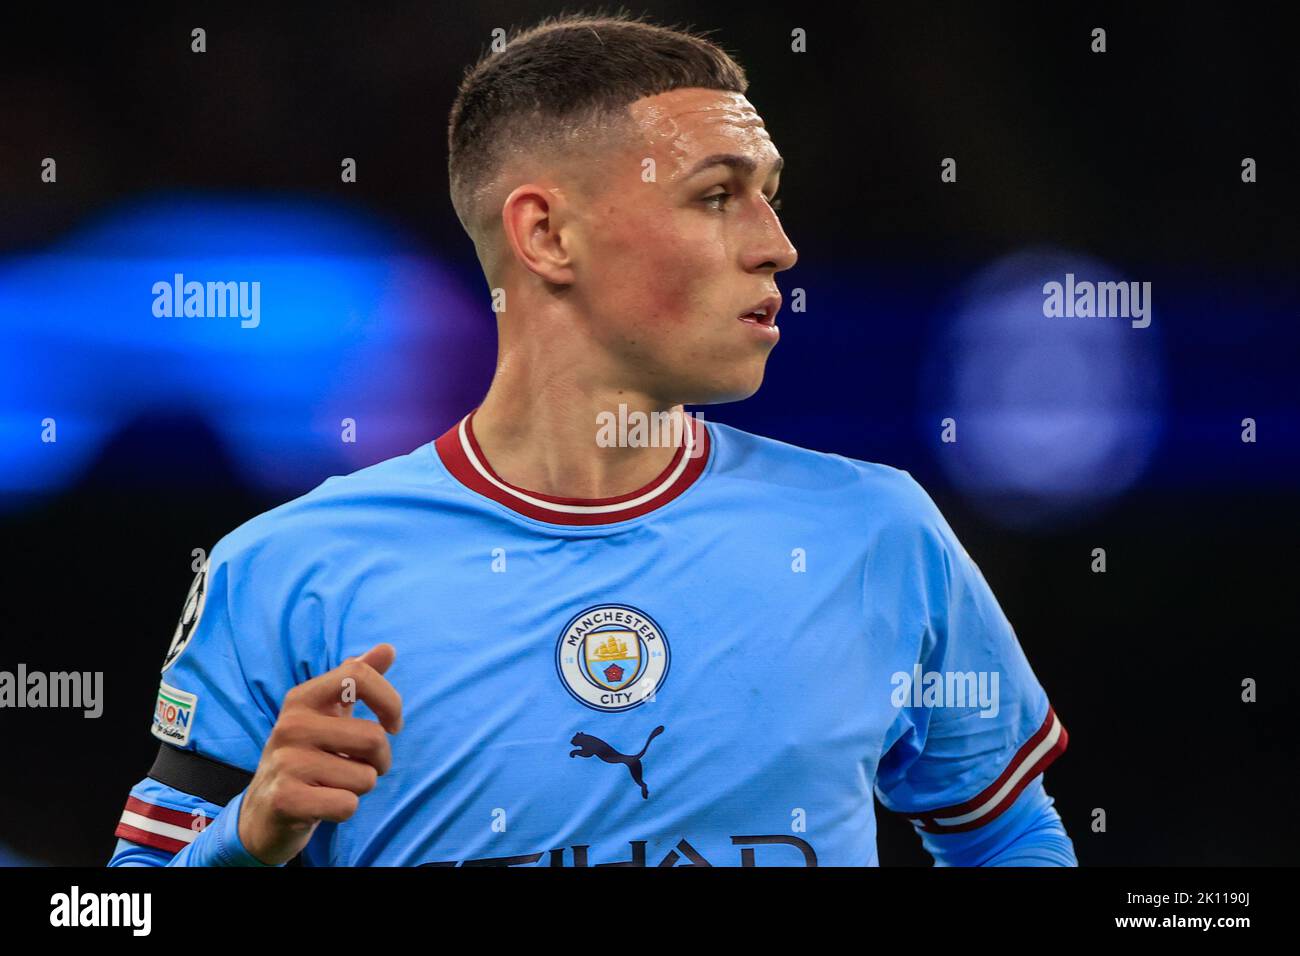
[(232, 658), (224, 676), (974, 727)]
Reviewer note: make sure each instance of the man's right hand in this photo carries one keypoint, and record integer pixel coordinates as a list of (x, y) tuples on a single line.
[(320, 759)]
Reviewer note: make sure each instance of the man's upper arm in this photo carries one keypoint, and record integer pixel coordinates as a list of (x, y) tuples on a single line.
[(974, 727), (223, 679)]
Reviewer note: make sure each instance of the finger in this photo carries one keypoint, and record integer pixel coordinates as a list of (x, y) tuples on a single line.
[(380, 657), (380, 696), (321, 769), (303, 802), (357, 737), (351, 681)]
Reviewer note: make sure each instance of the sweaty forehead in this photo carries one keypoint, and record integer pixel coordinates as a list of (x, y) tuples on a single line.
[(684, 125)]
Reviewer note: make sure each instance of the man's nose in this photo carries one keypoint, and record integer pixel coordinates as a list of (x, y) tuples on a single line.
[(771, 247)]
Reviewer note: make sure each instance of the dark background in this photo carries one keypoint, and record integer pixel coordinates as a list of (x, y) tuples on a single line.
[(1127, 162)]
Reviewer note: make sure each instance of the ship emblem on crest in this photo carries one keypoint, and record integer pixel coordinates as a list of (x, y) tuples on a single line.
[(609, 662)]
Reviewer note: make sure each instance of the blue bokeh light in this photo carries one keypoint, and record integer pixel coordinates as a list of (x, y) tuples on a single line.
[(1055, 416), (355, 322)]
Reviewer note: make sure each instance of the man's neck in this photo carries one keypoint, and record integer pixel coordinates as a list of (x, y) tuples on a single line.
[(552, 443)]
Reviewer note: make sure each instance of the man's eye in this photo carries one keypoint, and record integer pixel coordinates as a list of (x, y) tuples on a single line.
[(720, 200)]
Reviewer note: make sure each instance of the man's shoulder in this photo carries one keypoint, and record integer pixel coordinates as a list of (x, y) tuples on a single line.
[(881, 488), (341, 508), (882, 507)]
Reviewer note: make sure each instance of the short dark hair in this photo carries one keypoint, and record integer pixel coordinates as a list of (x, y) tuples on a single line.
[(567, 78)]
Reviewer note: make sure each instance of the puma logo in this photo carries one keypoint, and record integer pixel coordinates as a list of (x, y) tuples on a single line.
[(589, 746)]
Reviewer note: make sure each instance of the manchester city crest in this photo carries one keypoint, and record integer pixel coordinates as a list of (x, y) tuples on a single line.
[(612, 657)]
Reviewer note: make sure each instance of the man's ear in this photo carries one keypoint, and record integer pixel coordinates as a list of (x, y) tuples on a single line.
[(532, 220)]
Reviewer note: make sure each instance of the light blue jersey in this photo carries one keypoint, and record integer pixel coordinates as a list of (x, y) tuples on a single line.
[(718, 668)]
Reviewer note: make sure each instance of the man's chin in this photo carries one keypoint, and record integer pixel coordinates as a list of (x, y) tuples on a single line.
[(731, 389)]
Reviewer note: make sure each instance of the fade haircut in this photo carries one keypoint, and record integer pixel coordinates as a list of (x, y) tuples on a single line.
[(562, 86)]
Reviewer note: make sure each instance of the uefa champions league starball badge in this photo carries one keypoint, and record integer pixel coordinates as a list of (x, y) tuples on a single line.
[(190, 615), (612, 657)]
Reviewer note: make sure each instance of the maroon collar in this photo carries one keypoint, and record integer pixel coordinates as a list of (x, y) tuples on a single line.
[(466, 462)]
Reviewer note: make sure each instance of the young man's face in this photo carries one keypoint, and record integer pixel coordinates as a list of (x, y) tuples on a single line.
[(669, 256)]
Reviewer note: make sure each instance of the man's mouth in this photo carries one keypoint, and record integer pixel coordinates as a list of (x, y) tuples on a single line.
[(764, 313)]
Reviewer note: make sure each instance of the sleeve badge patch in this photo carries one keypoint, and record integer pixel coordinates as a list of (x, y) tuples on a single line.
[(173, 715), (189, 616)]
